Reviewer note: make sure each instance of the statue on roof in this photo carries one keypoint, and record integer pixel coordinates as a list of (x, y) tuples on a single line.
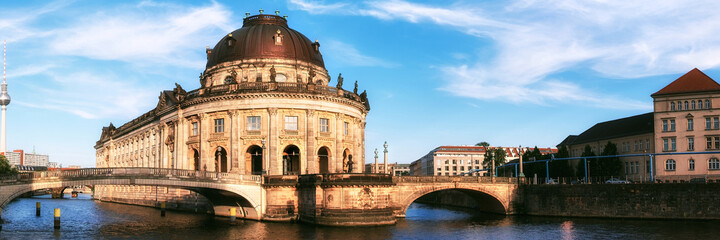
[(273, 73), (355, 90), (339, 81), (179, 92), (311, 76)]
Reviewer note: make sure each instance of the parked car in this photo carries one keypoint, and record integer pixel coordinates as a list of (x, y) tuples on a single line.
[(552, 181), (616, 181)]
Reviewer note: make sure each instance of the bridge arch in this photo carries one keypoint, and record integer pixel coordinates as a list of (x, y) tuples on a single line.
[(486, 201), (243, 195)]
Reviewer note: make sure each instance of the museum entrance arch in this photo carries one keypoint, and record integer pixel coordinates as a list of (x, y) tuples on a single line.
[(254, 160), (291, 160), (324, 160), (221, 160), (348, 163)]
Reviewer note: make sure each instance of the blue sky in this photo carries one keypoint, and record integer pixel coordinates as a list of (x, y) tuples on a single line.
[(436, 72)]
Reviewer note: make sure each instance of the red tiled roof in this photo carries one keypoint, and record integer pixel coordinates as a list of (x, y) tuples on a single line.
[(693, 81)]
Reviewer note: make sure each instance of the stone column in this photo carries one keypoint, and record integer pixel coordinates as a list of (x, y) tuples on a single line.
[(205, 156), (385, 165), (275, 162), (340, 160), (312, 160), (233, 151)]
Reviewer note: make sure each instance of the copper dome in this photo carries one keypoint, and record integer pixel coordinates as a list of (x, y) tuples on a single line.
[(265, 36)]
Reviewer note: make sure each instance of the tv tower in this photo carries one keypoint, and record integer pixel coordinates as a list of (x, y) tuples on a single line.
[(4, 101)]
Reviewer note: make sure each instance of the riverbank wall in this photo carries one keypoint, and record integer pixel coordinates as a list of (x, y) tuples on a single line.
[(651, 201)]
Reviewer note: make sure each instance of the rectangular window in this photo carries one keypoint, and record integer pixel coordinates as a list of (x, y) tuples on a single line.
[(691, 144), (346, 127), (195, 128), (672, 125), (253, 123), (707, 123), (665, 125), (447, 168), (291, 123), (647, 144), (709, 143), (219, 125), (717, 142), (716, 123), (637, 167), (690, 124), (672, 143), (324, 125), (666, 142)]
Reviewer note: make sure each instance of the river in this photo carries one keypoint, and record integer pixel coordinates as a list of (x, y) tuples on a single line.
[(84, 218)]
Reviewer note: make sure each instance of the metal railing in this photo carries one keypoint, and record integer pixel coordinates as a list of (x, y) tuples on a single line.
[(651, 177)]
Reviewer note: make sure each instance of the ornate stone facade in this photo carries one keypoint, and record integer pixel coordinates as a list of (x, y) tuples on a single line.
[(264, 107)]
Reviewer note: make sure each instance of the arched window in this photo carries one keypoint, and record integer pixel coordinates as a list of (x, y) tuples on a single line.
[(679, 105), (691, 164), (707, 104), (713, 164), (693, 104), (670, 165), (672, 106), (686, 105)]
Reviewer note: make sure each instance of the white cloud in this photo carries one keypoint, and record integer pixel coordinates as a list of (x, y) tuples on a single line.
[(348, 54), (147, 32), (536, 39), (92, 95), (315, 7)]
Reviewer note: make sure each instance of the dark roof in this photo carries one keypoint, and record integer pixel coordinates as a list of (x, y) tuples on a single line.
[(629, 126), (693, 81), (257, 39), (569, 140)]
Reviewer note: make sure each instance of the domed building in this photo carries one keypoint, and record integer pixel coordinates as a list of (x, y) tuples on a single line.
[(264, 107)]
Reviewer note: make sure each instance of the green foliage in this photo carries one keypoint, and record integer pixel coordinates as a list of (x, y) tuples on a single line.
[(482, 144), (563, 152), (609, 166), (5, 167), (494, 154)]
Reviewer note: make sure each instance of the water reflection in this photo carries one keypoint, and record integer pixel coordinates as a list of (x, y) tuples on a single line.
[(84, 218)]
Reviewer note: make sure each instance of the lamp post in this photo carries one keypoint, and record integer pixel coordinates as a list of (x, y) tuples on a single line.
[(521, 165), (376, 163), (385, 167)]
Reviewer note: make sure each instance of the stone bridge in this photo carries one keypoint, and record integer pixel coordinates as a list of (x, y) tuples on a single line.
[(350, 199), (222, 189)]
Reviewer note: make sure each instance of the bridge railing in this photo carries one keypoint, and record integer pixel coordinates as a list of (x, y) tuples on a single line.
[(448, 179), (128, 172)]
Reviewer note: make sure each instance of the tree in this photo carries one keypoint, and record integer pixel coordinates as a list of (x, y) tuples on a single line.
[(5, 167), (609, 166), (587, 152), (562, 168), (494, 154), (563, 152), (482, 144)]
